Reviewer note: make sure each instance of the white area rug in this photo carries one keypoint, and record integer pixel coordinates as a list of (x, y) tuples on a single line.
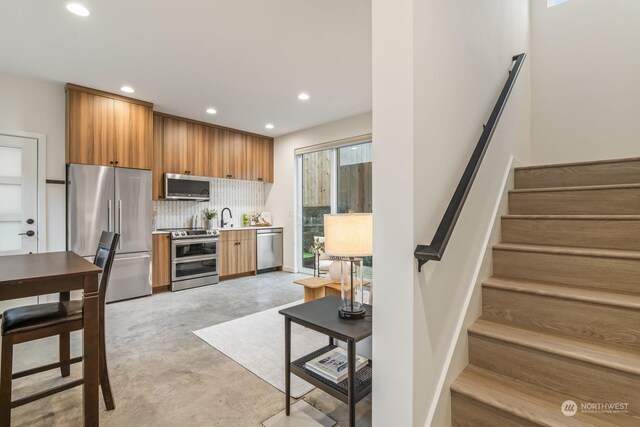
[(257, 343)]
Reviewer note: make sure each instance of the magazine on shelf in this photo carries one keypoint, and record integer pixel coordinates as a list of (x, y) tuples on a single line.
[(333, 365)]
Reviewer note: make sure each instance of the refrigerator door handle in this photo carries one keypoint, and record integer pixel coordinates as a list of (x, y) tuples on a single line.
[(133, 257), (120, 223), (109, 216)]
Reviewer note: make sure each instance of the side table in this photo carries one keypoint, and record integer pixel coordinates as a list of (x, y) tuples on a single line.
[(321, 315)]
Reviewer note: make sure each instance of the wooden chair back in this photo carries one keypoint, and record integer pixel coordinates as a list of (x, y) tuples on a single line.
[(105, 255)]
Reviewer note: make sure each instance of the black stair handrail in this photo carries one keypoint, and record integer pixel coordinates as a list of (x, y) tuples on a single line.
[(435, 250)]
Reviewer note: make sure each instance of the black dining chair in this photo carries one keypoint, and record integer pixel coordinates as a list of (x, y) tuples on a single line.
[(33, 322)]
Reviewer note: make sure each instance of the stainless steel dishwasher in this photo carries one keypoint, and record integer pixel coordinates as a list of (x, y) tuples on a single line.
[(269, 247)]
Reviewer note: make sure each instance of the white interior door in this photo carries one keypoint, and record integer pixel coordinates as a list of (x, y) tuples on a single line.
[(18, 201), (18, 195)]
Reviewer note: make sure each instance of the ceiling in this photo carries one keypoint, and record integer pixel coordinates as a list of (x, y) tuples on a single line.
[(248, 59)]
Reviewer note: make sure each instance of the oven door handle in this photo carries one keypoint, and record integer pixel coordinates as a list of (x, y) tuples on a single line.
[(190, 241), (194, 259)]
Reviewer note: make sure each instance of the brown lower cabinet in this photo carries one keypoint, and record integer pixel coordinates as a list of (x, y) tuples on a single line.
[(237, 252), (161, 263)]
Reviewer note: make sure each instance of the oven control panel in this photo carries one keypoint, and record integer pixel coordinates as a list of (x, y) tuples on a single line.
[(185, 234)]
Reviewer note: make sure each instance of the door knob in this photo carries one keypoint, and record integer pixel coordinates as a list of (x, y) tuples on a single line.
[(29, 233)]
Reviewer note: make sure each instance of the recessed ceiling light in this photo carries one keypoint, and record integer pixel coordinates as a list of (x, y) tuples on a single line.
[(269, 126), (77, 9), (127, 89), (303, 96), (211, 110)]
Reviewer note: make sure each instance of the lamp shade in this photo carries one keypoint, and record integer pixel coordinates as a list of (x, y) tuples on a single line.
[(348, 235)]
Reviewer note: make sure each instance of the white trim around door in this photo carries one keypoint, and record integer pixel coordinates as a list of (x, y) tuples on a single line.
[(42, 181)]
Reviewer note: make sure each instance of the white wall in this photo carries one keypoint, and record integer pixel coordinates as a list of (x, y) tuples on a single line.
[(460, 352), (36, 106), (438, 70), (586, 85), (393, 183), (280, 195)]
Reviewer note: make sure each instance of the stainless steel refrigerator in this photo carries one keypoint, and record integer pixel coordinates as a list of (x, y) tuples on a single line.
[(114, 199)]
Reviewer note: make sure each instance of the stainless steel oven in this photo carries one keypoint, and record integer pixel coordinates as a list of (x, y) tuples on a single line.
[(194, 258)]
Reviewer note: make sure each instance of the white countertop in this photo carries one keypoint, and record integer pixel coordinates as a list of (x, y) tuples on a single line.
[(253, 227)]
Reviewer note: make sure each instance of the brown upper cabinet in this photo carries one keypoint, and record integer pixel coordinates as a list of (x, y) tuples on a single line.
[(200, 143), (264, 163), (189, 147), (228, 155), (259, 159), (90, 129), (237, 151), (157, 170), (108, 130), (175, 153), (134, 135)]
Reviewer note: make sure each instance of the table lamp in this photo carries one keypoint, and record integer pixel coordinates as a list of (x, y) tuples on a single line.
[(348, 238)]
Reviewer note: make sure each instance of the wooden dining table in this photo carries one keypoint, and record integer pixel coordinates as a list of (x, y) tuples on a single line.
[(61, 272)]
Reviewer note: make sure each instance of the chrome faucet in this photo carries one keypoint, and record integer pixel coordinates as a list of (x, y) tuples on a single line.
[(224, 223)]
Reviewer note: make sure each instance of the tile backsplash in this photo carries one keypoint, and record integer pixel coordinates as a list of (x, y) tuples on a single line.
[(239, 196)]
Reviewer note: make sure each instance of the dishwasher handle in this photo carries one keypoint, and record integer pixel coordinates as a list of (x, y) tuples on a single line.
[(270, 231)]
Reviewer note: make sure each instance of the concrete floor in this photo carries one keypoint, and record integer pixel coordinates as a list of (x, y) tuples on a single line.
[(164, 375)]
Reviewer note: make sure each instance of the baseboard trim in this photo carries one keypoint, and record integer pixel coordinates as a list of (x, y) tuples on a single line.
[(237, 276)]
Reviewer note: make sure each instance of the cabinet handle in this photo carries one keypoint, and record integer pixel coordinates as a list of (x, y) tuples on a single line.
[(116, 163), (259, 179), (111, 162)]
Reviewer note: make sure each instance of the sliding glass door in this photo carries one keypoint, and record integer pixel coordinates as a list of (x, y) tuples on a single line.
[(335, 180), (354, 179), (316, 197), (354, 169)]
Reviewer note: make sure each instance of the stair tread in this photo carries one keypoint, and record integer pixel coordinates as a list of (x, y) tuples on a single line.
[(572, 164), (570, 292), (527, 401), (577, 217), (569, 250), (598, 353), (575, 188)]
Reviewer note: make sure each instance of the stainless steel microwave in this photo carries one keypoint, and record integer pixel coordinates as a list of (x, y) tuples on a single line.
[(186, 187)]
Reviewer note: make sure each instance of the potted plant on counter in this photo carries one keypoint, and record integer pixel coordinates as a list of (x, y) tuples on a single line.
[(210, 218)]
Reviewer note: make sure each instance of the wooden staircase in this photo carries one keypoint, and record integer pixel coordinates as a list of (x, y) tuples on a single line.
[(561, 313)]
